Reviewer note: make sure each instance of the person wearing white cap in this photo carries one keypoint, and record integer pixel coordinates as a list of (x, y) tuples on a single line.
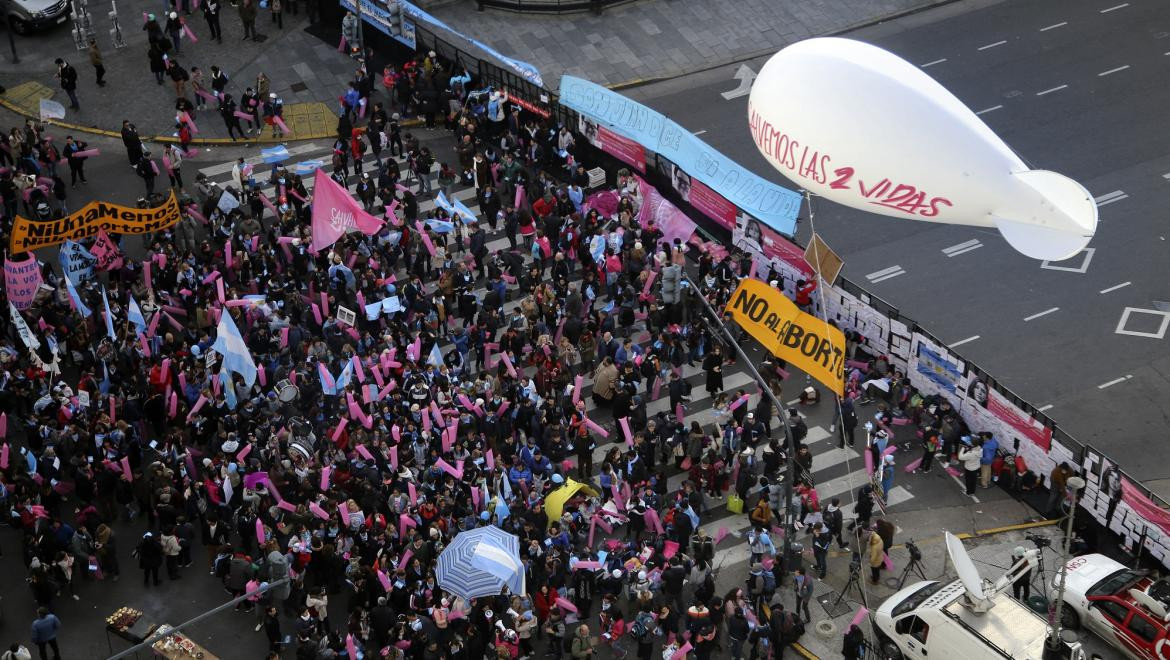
[(174, 30)]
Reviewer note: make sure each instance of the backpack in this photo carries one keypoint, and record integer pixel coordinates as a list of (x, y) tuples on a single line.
[(643, 624)]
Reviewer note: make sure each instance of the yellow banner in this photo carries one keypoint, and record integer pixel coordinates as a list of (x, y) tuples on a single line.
[(29, 234), (808, 343)]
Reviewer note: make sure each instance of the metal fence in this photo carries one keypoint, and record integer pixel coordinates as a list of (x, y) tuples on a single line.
[(549, 6)]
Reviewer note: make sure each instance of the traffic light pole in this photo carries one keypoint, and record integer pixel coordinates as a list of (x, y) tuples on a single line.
[(790, 442)]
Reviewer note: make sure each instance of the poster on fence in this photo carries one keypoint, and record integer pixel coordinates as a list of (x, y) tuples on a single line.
[(771, 252), (934, 371), (849, 313), (29, 234), (620, 147), (1007, 422)]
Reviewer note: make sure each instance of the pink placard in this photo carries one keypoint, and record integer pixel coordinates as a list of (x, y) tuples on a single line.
[(566, 605), (318, 511), (259, 532), (721, 534), (325, 472)]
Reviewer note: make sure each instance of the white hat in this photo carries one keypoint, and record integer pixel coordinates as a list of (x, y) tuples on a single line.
[(617, 572), (174, 15)]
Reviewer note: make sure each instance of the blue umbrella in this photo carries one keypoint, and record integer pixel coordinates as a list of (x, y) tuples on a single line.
[(481, 562)]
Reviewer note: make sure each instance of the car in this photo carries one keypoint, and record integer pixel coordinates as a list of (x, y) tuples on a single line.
[(967, 619), (25, 16), (1125, 607)]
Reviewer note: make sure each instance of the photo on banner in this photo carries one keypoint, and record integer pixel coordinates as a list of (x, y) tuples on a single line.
[(770, 250), (624, 149), (934, 371), (1008, 423)]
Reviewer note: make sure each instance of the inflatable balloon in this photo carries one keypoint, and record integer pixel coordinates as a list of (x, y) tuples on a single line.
[(863, 127)]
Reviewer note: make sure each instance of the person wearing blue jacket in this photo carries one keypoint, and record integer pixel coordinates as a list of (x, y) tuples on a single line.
[(44, 632), (990, 447)]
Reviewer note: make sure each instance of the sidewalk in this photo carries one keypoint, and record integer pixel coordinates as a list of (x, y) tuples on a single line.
[(306, 73), (652, 39), (989, 530)]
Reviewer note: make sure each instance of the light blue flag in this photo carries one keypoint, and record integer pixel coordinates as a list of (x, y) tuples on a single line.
[(462, 211), (77, 304), (230, 344), (440, 226), (229, 387), (109, 315), (135, 315), (307, 167), (277, 154), (435, 359), (344, 377), (76, 262), (32, 462), (373, 311)]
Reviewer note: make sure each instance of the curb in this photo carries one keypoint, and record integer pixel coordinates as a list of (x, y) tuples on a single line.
[(201, 142), (737, 59), (963, 536)]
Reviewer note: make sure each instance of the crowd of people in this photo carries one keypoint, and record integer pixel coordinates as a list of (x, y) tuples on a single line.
[(359, 448)]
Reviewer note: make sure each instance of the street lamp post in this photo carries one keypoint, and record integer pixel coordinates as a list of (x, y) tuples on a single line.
[(1052, 646)]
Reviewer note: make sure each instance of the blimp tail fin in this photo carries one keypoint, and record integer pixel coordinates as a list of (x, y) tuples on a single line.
[(1059, 226)]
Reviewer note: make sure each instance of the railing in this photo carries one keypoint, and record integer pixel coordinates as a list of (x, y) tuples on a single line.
[(549, 6)]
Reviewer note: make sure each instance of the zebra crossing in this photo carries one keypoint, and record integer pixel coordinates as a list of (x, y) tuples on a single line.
[(836, 471)]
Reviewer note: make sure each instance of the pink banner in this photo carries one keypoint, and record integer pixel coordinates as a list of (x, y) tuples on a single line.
[(335, 213), (21, 281), (672, 222), (618, 146), (1144, 506)]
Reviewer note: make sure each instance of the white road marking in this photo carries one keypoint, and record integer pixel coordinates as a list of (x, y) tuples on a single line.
[(962, 485), (745, 76), (1053, 27), (998, 43), (1116, 287), (885, 274), (1085, 261), (1105, 73), (699, 132), (1110, 197), (1115, 381), (1043, 408), (1115, 8), (1049, 91), (963, 341), (962, 248), (939, 61), (991, 109), (1038, 315)]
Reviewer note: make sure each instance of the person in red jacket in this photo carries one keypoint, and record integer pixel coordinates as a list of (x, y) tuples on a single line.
[(804, 291)]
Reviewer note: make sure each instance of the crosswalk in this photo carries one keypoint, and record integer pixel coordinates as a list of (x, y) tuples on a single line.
[(837, 472)]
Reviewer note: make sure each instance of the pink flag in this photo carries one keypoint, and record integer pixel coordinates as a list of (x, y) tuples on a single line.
[(4, 457), (287, 506), (244, 452), (394, 452), (577, 388), (126, 473), (404, 561), (343, 511), (318, 511), (739, 402), (682, 652), (566, 605), (259, 532), (384, 579), (625, 424), (721, 534), (325, 471), (365, 453), (3, 425), (595, 428), (862, 612), (336, 212), (405, 521), (490, 459), (410, 489), (652, 521), (446, 467), (508, 364), (913, 465)]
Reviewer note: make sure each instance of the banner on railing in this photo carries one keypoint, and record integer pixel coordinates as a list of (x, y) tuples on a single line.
[(775, 205)]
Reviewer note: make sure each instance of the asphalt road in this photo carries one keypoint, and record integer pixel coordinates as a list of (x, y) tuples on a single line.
[(1072, 86)]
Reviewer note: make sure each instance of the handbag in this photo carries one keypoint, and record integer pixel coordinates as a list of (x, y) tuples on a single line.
[(734, 504)]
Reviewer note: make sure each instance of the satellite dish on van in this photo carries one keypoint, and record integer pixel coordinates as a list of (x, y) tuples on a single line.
[(968, 574)]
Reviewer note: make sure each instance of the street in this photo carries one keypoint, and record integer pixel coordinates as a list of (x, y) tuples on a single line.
[(1072, 87)]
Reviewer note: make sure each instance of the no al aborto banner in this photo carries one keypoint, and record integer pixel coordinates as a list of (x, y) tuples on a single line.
[(809, 343), (29, 234)]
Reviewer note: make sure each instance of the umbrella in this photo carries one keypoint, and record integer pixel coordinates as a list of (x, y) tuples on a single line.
[(480, 562), (554, 502)]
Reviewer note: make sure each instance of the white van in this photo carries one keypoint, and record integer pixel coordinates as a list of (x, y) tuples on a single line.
[(966, 619)]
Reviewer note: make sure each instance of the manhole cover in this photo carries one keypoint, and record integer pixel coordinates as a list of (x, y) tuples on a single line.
[(299, 87)]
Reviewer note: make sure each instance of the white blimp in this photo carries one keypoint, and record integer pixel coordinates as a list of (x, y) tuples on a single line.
[(863, 127)]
